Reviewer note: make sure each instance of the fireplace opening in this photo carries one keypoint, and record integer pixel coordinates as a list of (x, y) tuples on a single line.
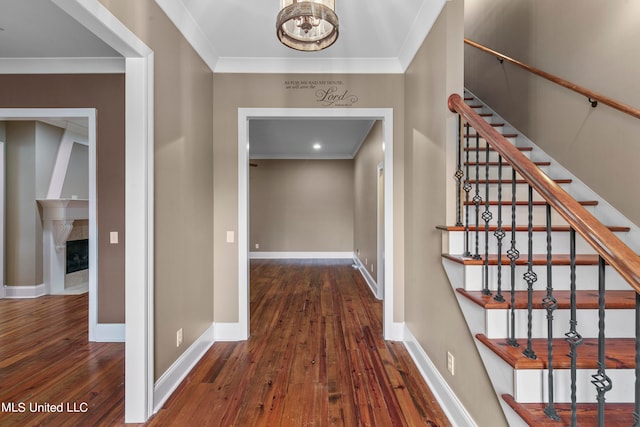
[(77, 255)]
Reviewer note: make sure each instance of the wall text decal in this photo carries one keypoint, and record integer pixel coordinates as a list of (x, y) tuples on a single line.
[(328, 93)]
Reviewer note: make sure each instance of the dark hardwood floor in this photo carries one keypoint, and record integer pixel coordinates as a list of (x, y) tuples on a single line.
[(46, 359), (315, 357)]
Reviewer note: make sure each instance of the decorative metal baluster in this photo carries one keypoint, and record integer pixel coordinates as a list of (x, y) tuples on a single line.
[(513, 254), (467, 188), (499, 233), (477, 200), (600, 379), (486, 216), (636, 411), (459, 174), (573, 338), (530, 277), (550, 303)]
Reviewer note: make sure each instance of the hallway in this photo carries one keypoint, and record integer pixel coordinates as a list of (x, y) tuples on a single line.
[(315, 357)]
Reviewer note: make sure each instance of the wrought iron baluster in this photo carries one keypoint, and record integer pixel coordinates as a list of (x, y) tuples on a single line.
[(573, 338), (486, 216), (530, 277), (467, 188), (477, 200), (600, 379), (513, 254), (459, 174), (499, 233), (550, 303)]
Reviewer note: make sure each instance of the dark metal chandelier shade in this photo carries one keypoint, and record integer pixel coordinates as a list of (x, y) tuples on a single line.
[(307, 25)]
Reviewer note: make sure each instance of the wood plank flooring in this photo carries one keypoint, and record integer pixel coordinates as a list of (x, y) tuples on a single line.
[(45, 358), (315, 357)]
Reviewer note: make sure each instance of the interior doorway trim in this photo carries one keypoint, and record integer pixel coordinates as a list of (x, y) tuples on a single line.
[(392, 329), (3, 205)]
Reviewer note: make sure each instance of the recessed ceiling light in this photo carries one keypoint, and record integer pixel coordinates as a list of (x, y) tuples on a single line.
[(317, 146)]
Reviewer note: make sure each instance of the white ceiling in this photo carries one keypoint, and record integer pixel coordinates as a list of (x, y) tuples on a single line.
[(236, 36)]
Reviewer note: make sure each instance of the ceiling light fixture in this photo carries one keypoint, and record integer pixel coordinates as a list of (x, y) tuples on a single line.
[(307, 25), (317, 146)]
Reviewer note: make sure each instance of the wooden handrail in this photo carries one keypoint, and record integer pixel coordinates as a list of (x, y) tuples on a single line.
[(615, 252), (592, 96)]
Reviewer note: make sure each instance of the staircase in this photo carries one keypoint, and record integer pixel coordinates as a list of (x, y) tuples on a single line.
[(478, 274)]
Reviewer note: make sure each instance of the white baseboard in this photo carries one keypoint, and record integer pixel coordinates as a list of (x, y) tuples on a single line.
[(172, 378), (229, 331), (33, 291), (367, 276), (300, 255), (451, 405), (109, 332)]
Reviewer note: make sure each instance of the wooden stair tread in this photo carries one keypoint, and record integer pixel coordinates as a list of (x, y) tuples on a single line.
[(536, 228), (538, 259), (614, 299), (616, 414), (518, 181), (620, 353), (506, 135), (504, 164), (526, 203)]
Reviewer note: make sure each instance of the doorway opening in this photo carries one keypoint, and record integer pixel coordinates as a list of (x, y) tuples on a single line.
[(392, 329), (53, 202)]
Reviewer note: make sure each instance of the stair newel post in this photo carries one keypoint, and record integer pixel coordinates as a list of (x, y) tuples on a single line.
[(573, 338), (600, 379), (486, 216), (530, 277), (636, 411), (499, 233), (477, 199), (459, 174), (550, 303), (513, 254), (467, 188)]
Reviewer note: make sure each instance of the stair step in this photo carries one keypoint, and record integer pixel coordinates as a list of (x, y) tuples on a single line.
[(538, 259), (616, 414), (526, 203), (620, 353), (584, 299), (506, 135), (518, 181), (504, 164), (524, 228)]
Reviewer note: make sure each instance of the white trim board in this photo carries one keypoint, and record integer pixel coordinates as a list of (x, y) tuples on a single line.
[(451, 405), (392, 330), (171, 379), (366, 275), (300, 255), (19, 292)]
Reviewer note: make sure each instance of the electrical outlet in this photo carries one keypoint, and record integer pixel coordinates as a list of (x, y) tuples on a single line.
[(372, 267), (450, 363), (257, 245), (179, 337)]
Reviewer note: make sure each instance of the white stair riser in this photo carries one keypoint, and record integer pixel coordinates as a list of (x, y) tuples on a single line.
[(559, 242), (586, 277), (619, 323), (493, 172), (493, 157), (539, 215), (531, 385)]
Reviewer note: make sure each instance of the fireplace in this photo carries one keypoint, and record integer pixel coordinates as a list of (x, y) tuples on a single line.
[(77, 255)]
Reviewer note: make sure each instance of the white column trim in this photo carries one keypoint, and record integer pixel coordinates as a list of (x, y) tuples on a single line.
[(62, 163)]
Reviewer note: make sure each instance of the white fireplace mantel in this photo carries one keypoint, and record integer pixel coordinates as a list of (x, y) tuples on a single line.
[(57, 217)]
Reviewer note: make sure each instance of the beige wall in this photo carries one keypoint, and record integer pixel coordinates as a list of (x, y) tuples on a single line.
[(183, 191), (431, 308), (232, 91), (105, 92), (23, 222), (365, 220), (591, 43), (301, 205)]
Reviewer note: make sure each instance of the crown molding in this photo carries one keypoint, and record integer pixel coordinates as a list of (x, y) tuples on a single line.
[(309, 65), (420, 28), (62, 65)]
